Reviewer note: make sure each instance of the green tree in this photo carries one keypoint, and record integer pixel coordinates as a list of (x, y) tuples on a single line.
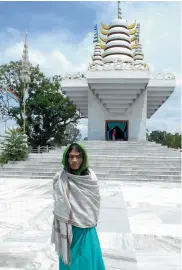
[(72, 134), (157, 136), (48, 112), (173, 140), (164, 138), (69, 135), (14, 146), (10, 78), (177, 140)]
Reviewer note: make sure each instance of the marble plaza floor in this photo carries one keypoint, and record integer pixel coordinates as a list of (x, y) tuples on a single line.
[(154, 215)]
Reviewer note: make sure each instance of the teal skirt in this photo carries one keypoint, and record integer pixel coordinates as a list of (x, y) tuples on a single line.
[(85, 251)]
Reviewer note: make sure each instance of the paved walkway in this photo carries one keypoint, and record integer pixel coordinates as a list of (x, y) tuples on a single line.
[(154, 215)]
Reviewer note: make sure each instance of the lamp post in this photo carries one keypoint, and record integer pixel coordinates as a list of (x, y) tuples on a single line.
[(25, 78)]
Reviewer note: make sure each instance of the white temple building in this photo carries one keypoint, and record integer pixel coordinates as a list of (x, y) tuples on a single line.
[(118, 91)]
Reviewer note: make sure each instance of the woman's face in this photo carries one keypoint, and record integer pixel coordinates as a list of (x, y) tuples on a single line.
[(75, 160)]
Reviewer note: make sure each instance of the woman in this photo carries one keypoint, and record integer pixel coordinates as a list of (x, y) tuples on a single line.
[(114, 135), (76, 211)]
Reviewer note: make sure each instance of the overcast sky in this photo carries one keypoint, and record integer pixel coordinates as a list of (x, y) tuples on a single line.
[(61, 40)]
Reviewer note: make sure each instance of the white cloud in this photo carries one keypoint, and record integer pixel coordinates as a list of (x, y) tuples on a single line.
[(57, 53), (60, 59)]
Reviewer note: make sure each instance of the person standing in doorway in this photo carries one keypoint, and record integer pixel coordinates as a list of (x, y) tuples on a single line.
[(76, 212), (114, 135)]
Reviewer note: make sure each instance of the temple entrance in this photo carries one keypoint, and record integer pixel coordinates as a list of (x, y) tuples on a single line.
[(116, 130)]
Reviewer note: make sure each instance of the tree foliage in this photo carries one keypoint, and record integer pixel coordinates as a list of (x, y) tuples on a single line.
[(72, 133), (164, 138), (14, 146), (48, 112), (10, 78)]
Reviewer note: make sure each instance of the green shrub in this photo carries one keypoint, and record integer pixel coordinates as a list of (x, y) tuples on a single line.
[(14, 146)]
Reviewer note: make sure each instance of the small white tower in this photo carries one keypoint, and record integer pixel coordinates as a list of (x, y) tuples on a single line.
[(97, 57), (138, 54)]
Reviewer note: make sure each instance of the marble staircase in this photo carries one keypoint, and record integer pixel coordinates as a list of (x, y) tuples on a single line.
[(112, 161)]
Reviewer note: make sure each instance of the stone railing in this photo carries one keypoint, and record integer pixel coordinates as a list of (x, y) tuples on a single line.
[(120, 66), (41, 149)]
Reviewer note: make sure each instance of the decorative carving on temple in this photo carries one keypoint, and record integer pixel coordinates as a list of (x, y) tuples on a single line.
[(76, 76), (119, 65)]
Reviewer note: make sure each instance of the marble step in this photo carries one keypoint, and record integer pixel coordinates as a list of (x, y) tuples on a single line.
[(116, 169), (118, 146), (109, 161), (104, 161), (115, 155), (101, 177), (129, 151), (120, 154), (142, 172), (96, 167), (134, 165), (128, 148), (98, 173), (123, 144), (100, 165), (118, 149), (115, 144), (121, 177), (109, 165), (109, 171)]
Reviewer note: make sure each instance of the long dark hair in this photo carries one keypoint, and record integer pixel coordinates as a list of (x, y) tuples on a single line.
[(80, 150)]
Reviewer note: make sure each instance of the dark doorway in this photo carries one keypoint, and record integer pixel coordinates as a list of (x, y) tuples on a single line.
[(116, 130)]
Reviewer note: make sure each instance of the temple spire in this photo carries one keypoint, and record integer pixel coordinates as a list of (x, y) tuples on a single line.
[(25, 71), (138, 32), (119, 10), (25, 50), (96, 37)]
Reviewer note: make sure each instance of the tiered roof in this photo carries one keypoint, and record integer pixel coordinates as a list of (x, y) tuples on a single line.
[(118, 41)]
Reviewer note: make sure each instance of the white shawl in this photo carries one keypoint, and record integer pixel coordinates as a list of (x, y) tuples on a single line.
[(76, 202)]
